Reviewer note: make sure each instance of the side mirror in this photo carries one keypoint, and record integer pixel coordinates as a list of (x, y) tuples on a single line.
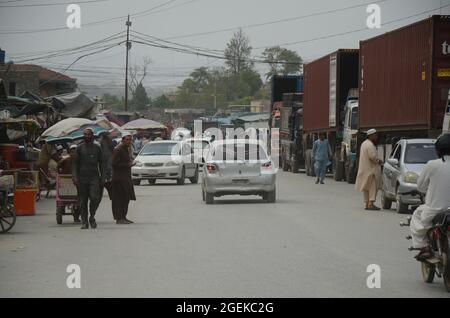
[(393, 161)]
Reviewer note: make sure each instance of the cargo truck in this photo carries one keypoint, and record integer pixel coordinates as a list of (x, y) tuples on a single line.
[(404, 82), (330, 106)]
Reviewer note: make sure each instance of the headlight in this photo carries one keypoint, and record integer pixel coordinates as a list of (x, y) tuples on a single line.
[(139, 164), (411, 177), (172, 164)]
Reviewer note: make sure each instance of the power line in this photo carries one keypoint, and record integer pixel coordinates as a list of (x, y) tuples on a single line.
[(50, 4), (273, 22)]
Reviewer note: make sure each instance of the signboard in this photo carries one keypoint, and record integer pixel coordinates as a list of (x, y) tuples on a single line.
[(443, 72)]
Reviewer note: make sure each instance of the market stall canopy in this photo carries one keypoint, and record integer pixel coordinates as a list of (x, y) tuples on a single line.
[(12, 129), (73, 105), (65, 128), (143, 123), (20, 106)]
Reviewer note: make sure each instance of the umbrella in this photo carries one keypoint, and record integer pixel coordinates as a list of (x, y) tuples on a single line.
[(143, 123), (76, 135), (72, 129)]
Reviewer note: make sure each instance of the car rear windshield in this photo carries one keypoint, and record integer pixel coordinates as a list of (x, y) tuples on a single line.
[(241, 152), (420, 153), (159, 149)]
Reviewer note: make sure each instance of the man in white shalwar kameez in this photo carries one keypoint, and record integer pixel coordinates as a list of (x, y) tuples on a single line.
[(368, 180), (435, 182)]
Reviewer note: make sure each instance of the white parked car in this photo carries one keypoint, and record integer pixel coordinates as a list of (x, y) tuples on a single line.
[(166, 159), (238, 166)]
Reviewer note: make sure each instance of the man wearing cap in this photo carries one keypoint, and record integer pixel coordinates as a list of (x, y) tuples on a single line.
[(122, 184), (369, 172), (87, 174)]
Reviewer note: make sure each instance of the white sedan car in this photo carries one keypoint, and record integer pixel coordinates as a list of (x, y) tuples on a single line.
[(173, 160), (240, 167)]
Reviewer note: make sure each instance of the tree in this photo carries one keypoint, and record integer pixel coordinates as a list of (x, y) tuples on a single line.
[(137, 75), (238, 53), (140, 99), (282, 61), (162, 102)]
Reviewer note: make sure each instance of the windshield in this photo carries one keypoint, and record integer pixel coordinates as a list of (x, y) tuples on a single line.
[(241, 152), (158, 149), (420, 153)]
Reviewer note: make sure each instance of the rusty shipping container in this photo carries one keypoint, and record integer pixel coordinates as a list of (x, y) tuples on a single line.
[(327, 83), (405, 77)]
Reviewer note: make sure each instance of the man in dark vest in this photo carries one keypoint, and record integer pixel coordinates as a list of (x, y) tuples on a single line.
[(87, 174), (122, 184)]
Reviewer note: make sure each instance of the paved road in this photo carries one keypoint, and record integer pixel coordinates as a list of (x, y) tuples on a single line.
[(316, 241)]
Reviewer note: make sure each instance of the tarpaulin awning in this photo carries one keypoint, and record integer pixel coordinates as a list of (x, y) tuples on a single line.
[(73, 105)]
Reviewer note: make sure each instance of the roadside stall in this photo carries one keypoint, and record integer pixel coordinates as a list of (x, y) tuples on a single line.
[(147, 128)]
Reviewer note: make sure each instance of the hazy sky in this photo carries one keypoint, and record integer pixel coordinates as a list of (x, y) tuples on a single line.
[(171, 19)]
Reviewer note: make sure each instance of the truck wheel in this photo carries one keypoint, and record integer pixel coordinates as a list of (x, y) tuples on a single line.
[(284, 164), (309, 164), (59, 215), (350, 172), (338, 169), (295, 166)]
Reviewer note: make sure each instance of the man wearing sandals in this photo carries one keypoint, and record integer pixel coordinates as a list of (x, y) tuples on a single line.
[(368, 180)]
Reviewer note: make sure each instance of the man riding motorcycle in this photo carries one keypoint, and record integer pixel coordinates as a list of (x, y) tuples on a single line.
[(435, 182)]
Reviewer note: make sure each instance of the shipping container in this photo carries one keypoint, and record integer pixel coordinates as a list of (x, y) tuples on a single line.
[(405, 78), (327, 83)]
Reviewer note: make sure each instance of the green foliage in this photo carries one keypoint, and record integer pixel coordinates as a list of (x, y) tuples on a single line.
[(238, 53), (140, 99), (282, 61), (162, 102)]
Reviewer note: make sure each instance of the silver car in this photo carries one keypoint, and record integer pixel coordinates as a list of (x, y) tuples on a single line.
[(167, 159), (401, 171), (238, 167)]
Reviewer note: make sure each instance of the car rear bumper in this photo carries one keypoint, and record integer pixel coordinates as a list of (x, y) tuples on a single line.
[(220, 185)]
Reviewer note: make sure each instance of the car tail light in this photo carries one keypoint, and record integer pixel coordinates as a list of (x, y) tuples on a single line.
[(266, 166), (212, 168)]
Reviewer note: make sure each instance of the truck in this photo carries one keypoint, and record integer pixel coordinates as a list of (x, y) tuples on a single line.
[(330, 106), (290, 134), (280, 85), (404, 83)]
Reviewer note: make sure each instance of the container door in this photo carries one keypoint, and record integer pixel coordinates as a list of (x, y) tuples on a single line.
[(333, 90)]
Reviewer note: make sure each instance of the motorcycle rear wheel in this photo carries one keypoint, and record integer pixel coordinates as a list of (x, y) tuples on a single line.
[(428, 272), (446, 264)]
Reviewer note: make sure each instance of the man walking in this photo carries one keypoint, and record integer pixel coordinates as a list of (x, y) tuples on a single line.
[(122, 184), (368, 179), (321, 154), (87, 174)]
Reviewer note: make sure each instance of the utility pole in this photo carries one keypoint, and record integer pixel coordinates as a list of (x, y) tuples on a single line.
[(128, 47)]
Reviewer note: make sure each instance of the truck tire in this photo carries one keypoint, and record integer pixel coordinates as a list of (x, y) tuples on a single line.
[(350, 172), (338, 169), (309, 164), (295, 165)]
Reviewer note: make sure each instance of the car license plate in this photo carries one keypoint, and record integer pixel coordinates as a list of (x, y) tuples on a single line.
[(152, 172), (240, 181)]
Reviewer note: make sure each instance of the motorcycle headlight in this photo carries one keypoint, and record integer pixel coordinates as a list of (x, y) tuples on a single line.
[(172, 164), (411, 177)]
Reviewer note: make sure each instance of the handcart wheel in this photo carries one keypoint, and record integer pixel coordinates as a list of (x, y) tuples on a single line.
[(59, 215), (7, 218)]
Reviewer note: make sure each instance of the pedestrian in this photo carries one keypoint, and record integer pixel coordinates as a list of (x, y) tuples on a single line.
[(88, 176), (368, 180), (107, 146), (321, 154), (122, 183)]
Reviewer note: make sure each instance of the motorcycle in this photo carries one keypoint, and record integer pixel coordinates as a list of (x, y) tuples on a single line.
[(439, 244)]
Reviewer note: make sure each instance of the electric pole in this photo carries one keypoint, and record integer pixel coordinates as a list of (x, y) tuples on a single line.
[(128, 47)]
